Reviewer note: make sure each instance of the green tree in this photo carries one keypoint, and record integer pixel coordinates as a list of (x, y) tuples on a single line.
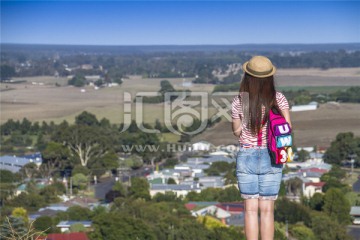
[(299, 231), (13, 228), (325, 228), (6, 72), (171, 181), (20, 212), (114, 226), (80, 181), (7, 176), (342, 147), (167, 197), (88, 144), (29, 170), (286, 210), (139, 188), (77, 213), (316, 202), (303, 155), (86, 118), (77, 81), (30, 202), (55, 157), (337, 206), (165, 86), (229, 194), (77, 227), (44, 224)]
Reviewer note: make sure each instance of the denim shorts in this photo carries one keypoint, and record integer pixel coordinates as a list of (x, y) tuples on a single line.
[(257, 177)]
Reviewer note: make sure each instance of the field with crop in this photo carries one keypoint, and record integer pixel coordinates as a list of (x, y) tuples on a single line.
[(38, 99)]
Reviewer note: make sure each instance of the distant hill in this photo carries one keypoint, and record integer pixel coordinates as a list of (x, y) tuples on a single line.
[(119, 50)]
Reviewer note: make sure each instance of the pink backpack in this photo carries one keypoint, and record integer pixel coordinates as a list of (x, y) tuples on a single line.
[(279, 138)]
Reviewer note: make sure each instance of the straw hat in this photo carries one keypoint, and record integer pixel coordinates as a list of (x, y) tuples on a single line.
[(259, 66)]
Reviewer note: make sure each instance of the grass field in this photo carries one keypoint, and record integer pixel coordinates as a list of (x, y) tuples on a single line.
[(50, 103)]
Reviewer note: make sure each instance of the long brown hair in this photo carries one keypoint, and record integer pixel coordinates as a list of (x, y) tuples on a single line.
[(261, 92)]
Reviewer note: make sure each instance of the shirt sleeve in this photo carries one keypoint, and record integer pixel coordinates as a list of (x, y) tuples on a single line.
[(235, 108), (282, 101)]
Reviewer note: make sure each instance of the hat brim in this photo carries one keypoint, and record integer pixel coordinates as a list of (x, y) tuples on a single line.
[(244, 67)]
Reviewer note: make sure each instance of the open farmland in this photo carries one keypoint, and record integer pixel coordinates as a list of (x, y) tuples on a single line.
[(50, 103), (311, 128)]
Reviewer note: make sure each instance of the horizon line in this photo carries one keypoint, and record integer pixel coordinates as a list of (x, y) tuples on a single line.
[(149, 45)]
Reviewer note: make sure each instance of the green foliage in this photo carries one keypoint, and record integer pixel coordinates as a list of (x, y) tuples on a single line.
[(119, 187), (7, 176), (17, 139), (299, 231), (114, 226), (55, 157), (44, 224), (80, 169), (170, 163), (325, 228), (86, 118), (139, 188), (80, 180), (337, 206), (6, 72), (351, 94), (229, 194), (333, 179), (316, 202), (282, 190), (171, 181), (342, 148), (293, 212), (20, 212), (294, 186), (77, 81), (167, 197), (77, 227), (30, 202), (77, 213), (13, 228), (303, 155), (50, 193)]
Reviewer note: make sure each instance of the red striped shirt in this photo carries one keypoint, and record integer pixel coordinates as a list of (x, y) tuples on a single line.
[(246, 138)]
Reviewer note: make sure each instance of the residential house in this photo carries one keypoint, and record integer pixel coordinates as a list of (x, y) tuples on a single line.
[(67, 236), (213, 210), (178, 189), (310, 188), (211, 181), (355, 214), (14, 163), (65, 225), (229, 213)]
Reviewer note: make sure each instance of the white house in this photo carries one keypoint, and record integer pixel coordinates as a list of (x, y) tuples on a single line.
[(65, 225), (178, 189), (308, 107), (310, 188), (213, 210)]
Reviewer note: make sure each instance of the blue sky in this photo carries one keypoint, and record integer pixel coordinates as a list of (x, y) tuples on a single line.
[(175, 22)]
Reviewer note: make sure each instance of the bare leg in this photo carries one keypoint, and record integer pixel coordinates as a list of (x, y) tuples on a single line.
[(266, 219), (251, 219)]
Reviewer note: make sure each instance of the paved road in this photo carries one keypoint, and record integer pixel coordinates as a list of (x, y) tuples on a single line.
[(354, 231), (356, 186), (105, 185)]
